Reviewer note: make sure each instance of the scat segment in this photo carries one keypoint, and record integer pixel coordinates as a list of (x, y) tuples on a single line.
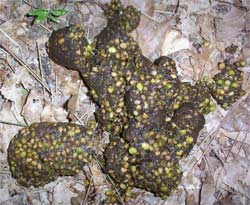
[(43, 151), (68, 47), (227, 84)]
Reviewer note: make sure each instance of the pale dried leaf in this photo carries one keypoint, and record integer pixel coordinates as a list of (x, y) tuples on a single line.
[(53, 113), (99, 181), (174, 42), (13, 89), (4, 194), (62, 192), (238, 118), (229, 23), (34, 106), (236, 175)]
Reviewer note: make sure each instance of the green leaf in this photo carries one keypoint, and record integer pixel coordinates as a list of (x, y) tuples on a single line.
[(52, 18), (39, 12), (58, 12), (39, 19)]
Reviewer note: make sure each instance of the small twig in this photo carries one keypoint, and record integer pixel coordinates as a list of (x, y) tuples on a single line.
[(10, 39), (163, 12), (12, 123), (40, 64), (200, 193), (206, 160), (30, 70), (244, 141), (31, 5), (56, 82), (78, 118), (231, 148), (177, 6), (10, 67), (46, 28), (186, 192), (149, 17), (217, 157), (116, 190)]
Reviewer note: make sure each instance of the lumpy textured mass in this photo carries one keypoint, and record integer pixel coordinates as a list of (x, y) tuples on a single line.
[(153, 118), (43, 151)]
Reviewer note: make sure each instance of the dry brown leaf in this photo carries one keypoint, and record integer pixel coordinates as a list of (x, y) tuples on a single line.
[(193, 6), (174, 42), (151, 37), (238, 118), (99, 181), (14, 87), (34, 106), (7, 131), (62, 191), (236, 175), (53, 113), (4, 195), (79, 106), (229, 23), (150, 34), (146, 6), (242, 137)]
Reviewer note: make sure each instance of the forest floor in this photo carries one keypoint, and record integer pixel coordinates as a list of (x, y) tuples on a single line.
[(196, 34)]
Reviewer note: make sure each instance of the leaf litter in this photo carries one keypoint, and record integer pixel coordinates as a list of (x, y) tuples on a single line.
[(194, 33)]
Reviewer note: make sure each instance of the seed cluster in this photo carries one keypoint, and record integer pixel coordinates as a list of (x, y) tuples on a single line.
[(152, 91), (154, 119), (227, 84), (199, 95)]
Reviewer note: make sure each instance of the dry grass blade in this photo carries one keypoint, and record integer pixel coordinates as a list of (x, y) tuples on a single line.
[(108, 178), (44, 27), (163, 12), (31, 5), (87, 192), (9, 66), (203, 152), (231, 148), (12, 123), (78, 119), (33, 73), (40, 64), (56, 82), (149, 17), (243, 142), (13, 41)]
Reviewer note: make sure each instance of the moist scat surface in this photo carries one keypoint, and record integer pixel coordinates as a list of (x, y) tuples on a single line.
[(43, 151), (153, 118)]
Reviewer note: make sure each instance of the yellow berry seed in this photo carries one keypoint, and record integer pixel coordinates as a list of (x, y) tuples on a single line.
[(132, 151), (189, 140), (112, 50), (139, 86), (145, 146)]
